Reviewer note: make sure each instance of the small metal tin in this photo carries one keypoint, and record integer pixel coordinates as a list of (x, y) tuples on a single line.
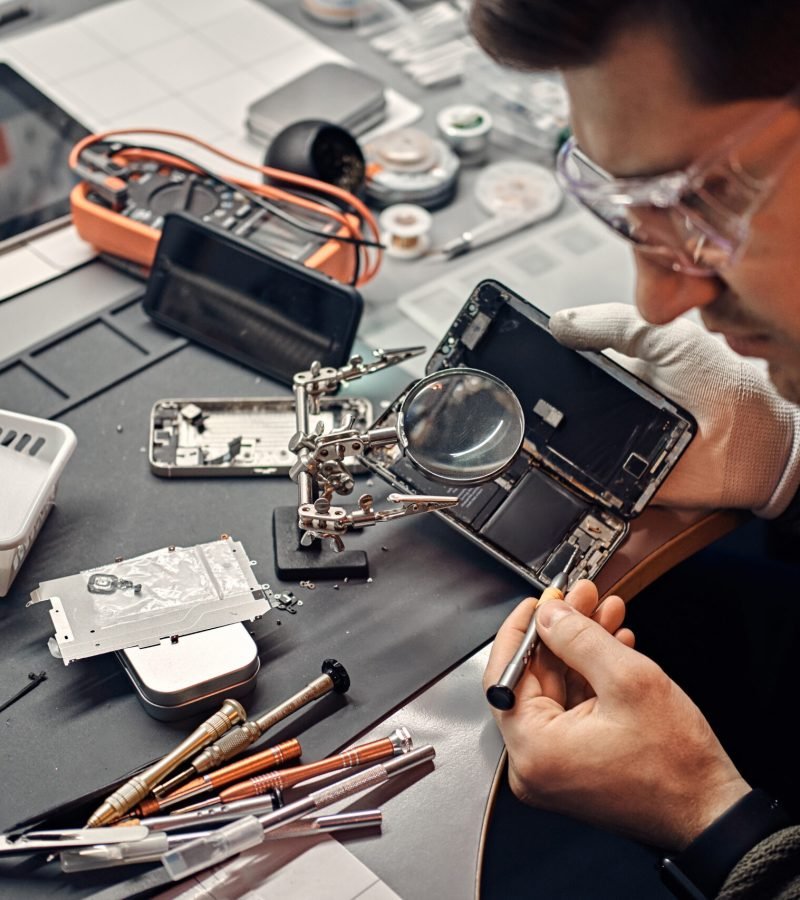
[(194, 674)]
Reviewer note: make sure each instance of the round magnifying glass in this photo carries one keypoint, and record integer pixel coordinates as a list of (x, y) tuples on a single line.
[(461, 426)]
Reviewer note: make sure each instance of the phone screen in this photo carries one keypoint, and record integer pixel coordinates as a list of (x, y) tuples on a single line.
[(262, 310)]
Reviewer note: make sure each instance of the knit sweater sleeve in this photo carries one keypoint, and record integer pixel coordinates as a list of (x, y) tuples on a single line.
[(770, 871)]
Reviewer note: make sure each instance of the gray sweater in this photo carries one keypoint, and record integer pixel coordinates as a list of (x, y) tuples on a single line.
[(770, 871)]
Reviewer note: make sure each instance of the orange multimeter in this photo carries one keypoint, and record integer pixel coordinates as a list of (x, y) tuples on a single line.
[(126, 191)]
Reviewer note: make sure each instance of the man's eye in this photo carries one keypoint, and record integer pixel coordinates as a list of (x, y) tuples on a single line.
[(718, 195)]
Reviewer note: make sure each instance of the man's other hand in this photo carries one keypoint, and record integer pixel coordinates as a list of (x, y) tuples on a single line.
[(746, 453)]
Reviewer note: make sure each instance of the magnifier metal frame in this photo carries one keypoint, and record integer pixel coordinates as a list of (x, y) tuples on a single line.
[(447, 375)]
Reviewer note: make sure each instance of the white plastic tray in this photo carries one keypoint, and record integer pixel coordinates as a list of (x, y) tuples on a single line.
[(33, 453)]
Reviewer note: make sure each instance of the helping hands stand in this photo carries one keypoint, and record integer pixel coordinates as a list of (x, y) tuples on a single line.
[(301, 533)]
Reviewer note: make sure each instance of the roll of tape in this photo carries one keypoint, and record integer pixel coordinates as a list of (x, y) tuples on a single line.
[(408, 166), (467, 129)]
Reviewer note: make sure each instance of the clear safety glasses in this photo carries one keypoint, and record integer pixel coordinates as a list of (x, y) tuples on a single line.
[(694, 220)]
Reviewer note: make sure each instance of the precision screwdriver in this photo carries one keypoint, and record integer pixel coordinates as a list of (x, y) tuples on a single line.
[(137, 788), (243, 833), (398, 742), (501, 695), (334, 678), (254, 764)]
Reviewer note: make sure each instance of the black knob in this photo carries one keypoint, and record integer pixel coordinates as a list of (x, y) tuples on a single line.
[(337, 674), (501, 697)]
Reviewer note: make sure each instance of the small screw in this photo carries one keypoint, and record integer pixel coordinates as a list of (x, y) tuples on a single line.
[(385, 549), (336, 587), (119, 429), (369, 581)]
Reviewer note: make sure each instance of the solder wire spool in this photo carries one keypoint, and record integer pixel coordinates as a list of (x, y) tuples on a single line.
[(409, 166), (516, 188), (467, 129), (332, 12), (406, 230)]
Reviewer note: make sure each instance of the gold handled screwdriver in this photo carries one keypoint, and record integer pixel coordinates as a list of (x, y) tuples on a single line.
[(334, 678), (252, 765), (136, 789)]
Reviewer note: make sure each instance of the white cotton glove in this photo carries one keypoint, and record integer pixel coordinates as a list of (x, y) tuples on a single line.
[(746, 453)]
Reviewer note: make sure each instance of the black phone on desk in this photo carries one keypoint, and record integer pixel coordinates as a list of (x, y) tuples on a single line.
[(262, 310), (598, 443)]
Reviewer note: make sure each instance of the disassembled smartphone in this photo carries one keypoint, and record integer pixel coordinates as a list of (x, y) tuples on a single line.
[(238, 436), (598, 443), (245, 302)]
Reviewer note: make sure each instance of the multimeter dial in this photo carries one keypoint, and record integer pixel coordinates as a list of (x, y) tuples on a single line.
[(154, 191)]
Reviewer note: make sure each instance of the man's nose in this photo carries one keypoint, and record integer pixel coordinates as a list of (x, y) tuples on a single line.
[(663, 294)]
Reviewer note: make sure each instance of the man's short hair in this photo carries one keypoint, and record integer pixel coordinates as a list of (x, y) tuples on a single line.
[(732, 49)]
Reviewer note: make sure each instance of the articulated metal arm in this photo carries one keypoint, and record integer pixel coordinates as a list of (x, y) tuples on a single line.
[(321, 520), (320, 470)]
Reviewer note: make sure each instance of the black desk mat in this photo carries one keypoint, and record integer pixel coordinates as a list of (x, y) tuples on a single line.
[(433, 600)]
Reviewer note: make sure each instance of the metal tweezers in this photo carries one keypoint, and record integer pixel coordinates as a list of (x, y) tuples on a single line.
[(56, 840)]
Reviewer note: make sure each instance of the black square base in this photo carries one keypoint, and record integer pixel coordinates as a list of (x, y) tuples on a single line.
[(293, 561)]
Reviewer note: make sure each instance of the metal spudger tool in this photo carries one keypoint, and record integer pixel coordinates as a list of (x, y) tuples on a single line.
[(138, 787), (64, 838), (152, 847), (334, 678), (501, 695)]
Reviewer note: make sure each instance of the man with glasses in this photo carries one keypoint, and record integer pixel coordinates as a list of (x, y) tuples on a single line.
[(686, 141)]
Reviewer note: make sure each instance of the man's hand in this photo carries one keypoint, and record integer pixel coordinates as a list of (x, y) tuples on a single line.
[(746, 453), (601, 733)]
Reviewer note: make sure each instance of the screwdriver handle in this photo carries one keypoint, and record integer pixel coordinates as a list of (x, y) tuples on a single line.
[(135, 789), (374, 751), (250, 765), (501, 695)]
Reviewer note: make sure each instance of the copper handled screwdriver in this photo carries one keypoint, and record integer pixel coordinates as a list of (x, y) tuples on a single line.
[(252, 765), (399, 741), (334, 678), (501, 695), (138, 787)]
